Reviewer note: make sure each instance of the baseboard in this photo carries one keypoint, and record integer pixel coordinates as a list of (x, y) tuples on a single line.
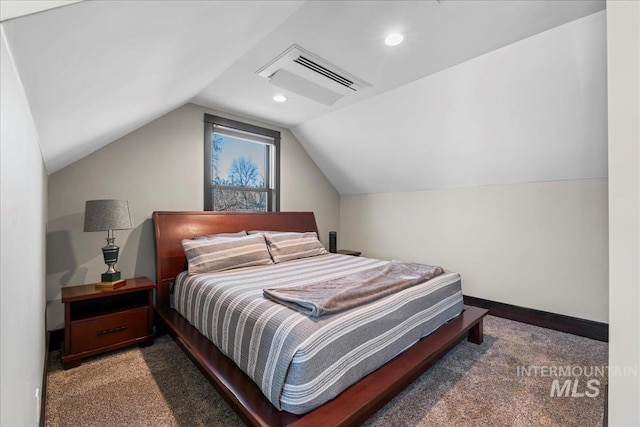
[(605, 419), (558, 322), (43, 394), (53, 342)]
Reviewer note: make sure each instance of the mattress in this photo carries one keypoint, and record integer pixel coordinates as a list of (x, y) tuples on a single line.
[(300, 362)]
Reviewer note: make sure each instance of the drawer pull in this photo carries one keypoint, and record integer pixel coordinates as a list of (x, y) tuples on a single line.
[(112, 331)]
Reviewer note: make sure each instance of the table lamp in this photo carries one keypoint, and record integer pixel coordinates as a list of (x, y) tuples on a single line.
[(108, 215)]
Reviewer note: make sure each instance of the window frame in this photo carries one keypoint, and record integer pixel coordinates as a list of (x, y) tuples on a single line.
[(273, 203)]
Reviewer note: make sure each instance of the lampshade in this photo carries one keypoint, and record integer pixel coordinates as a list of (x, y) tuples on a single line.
[(104, 215)]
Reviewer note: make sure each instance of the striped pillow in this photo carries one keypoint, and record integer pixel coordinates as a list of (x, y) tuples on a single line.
[(225, 253), (268, 231), (215, 236), (288, 246)]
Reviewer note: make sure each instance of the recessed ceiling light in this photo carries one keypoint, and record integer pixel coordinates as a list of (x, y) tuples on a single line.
[(393, 39), (279, 98)]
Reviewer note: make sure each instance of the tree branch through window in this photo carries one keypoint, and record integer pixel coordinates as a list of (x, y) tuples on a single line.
[(241, 166)]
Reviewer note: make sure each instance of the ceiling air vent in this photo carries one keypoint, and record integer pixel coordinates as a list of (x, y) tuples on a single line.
[(300, 71), (305, 62)]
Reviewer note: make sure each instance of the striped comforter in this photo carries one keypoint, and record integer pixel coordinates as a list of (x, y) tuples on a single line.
[(300, 362)]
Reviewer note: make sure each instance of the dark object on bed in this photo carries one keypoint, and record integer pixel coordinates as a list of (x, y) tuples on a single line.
[(354, 405)]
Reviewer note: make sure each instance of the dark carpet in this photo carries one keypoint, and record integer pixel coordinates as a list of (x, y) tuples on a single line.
[(485, 385)]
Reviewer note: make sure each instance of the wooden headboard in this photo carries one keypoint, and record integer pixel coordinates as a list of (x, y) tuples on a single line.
[(170, 228)]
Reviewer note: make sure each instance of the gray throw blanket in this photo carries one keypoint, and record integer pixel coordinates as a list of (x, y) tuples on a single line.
[(342, 293)]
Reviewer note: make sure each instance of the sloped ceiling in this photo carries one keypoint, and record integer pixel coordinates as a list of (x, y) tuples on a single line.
[(94, 71), (531, 111), (10, 9), (350, 34), (97, 70)]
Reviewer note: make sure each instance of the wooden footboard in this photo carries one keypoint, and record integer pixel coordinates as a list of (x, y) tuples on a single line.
[(353, 406)]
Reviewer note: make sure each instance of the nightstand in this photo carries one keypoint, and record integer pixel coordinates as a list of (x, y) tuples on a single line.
[(349, 252), (98, 320)]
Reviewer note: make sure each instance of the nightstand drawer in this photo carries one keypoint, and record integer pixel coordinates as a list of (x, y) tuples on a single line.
[(109, 329)]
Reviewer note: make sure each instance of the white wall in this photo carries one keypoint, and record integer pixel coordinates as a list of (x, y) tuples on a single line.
[(157, 167), (623, 52), (23, 197), (539, 245), (506, 155)]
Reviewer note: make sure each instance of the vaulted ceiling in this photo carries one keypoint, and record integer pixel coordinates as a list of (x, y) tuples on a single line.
[(94, 71)]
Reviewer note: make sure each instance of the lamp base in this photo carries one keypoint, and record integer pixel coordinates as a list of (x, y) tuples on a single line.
[(111, 285), (110, 277)]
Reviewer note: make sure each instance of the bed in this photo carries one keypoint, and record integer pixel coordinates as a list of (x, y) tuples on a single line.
[(351, 406)]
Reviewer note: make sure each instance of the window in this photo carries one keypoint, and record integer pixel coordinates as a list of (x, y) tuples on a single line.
[(241, 166)]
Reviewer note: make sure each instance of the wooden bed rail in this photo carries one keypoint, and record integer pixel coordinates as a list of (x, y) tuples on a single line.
[(353, 406)]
